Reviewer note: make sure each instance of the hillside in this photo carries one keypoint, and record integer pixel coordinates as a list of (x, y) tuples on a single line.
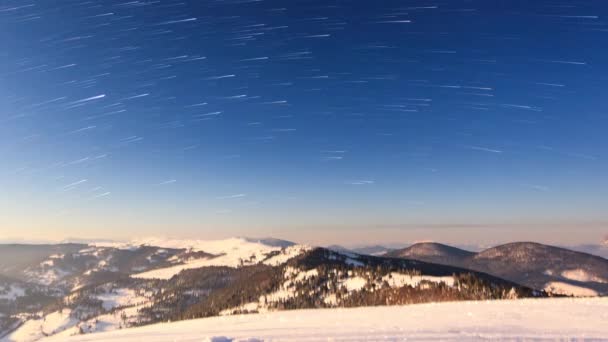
[(104, 287), (539, 266), (14, 258), (525, 319)]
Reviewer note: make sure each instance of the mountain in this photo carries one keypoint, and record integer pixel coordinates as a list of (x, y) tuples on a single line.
[(14, 258), (364, 250), (431, 252), (108, 286), (539, 266)]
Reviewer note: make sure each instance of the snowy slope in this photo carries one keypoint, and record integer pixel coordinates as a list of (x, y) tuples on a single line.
[(566, 289), (36, 329), (232, 252), (555, 318), (111, 301), (119, 306)]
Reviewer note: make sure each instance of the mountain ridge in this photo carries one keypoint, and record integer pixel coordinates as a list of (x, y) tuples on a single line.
[(530, 263), (101, 287)]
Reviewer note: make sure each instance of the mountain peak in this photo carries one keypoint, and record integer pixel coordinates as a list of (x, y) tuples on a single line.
[(432, 249), (524, 251)]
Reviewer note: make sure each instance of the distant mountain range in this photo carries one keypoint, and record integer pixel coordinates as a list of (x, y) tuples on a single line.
[(539, 266), (76, 288), (365, 250), (595, 249)]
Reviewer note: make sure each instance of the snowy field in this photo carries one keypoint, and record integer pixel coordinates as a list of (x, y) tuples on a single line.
[(528, 319)]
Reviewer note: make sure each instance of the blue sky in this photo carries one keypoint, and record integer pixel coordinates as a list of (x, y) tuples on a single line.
[(464, 121)]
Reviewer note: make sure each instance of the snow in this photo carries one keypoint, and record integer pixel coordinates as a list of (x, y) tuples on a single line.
[(48, 263), (331, 299), (559, 287), (399, 280), (303, 275), (11, 292), (36, 329), (523, 319), (286, 254), (48, 276), (349, 281), (61, 325), (354, 283), (131, 246), (351, 258), (168, 272), (287, 290), (395, 280), (112, 321), (119, 298), (582, 276), (232, 252)]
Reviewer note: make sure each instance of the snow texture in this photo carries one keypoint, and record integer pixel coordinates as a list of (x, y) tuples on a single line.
[(524, 319), (582, 276), (561, 288)]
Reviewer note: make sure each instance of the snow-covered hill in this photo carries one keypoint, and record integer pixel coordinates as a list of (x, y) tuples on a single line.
[(103, 286), (74, 289), (70, 266), (555, 269), (525, 319), (115, 286), (233, 252)]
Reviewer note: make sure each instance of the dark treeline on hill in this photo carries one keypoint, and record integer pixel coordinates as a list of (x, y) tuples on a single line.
[(220, 290)]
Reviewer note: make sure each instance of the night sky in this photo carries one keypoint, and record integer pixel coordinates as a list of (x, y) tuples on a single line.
[(458, 121)]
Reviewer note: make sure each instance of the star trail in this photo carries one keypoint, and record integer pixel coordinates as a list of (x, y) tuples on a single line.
[(293, 118)]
